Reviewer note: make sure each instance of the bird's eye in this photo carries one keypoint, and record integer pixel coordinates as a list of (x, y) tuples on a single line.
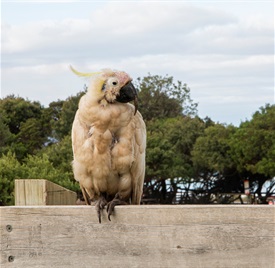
[(114, 83)]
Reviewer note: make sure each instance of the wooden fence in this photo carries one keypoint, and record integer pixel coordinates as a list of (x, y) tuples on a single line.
[(41, 192), (206, 236)]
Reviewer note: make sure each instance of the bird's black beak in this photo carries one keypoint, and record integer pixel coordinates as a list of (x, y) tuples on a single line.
[(128, 93)]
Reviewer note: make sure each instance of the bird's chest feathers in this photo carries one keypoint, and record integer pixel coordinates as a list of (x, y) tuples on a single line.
[(110, 133), (110, 117)]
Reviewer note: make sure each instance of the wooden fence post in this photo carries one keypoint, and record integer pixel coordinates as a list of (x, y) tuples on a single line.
[(31, 192)]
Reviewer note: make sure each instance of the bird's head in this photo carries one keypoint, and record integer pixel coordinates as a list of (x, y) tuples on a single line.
[(112, 86)]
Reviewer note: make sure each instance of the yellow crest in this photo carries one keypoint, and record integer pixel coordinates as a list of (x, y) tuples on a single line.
[(83, 74)]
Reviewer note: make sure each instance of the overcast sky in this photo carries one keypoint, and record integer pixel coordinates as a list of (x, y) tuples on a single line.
[(223, 50)]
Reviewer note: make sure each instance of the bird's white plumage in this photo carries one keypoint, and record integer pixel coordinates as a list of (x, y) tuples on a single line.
[(109, 141)]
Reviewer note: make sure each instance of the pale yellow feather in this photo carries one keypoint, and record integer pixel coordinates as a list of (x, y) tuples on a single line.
[(83, 74)]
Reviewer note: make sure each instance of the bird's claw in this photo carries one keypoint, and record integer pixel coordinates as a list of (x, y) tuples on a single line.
[(111, 205), (100, 204)]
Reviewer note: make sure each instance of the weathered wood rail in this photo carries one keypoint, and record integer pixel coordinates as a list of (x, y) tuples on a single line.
[(139, 236)]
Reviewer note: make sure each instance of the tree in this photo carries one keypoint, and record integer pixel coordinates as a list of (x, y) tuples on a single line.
[(28, 128), (53, 113), (17, 110), (160, 97), (215, 168), (253, 149), (168, 155), (60, 154), (62, 115), (6, 136), (10, 169)]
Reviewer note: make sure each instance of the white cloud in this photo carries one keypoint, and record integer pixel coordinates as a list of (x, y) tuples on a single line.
[(226, 58), (115, 23), (42, 35), (43, 69)]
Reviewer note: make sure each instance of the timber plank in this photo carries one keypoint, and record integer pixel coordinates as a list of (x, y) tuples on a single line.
[(139, 236)]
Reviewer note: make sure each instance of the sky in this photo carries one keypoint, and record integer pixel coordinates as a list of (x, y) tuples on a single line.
[(223, 50)]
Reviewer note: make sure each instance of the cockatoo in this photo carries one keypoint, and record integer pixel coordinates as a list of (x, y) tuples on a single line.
[(109, 142)]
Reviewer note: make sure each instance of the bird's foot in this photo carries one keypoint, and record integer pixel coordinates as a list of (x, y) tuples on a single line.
[(99, 205), (115, 202)]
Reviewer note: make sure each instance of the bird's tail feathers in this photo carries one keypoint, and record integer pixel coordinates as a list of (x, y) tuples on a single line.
[(136, 194)]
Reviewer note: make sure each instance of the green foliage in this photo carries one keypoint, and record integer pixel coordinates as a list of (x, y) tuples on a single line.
[(229, 154), (31, 128), (253, 149), (215, 166), (160, 97), (40, 167), (169, 145), (60, 154), (10, 169), (28, 128), (253, 145), (17, 110), (62, 115), (6, 136), (211, 150)]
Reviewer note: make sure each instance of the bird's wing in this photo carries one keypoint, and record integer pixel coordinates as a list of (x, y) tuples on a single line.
[(79, 135), (138, 167)]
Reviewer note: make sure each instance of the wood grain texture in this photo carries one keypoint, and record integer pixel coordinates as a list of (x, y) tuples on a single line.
[(31, 192), (139, 236)]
